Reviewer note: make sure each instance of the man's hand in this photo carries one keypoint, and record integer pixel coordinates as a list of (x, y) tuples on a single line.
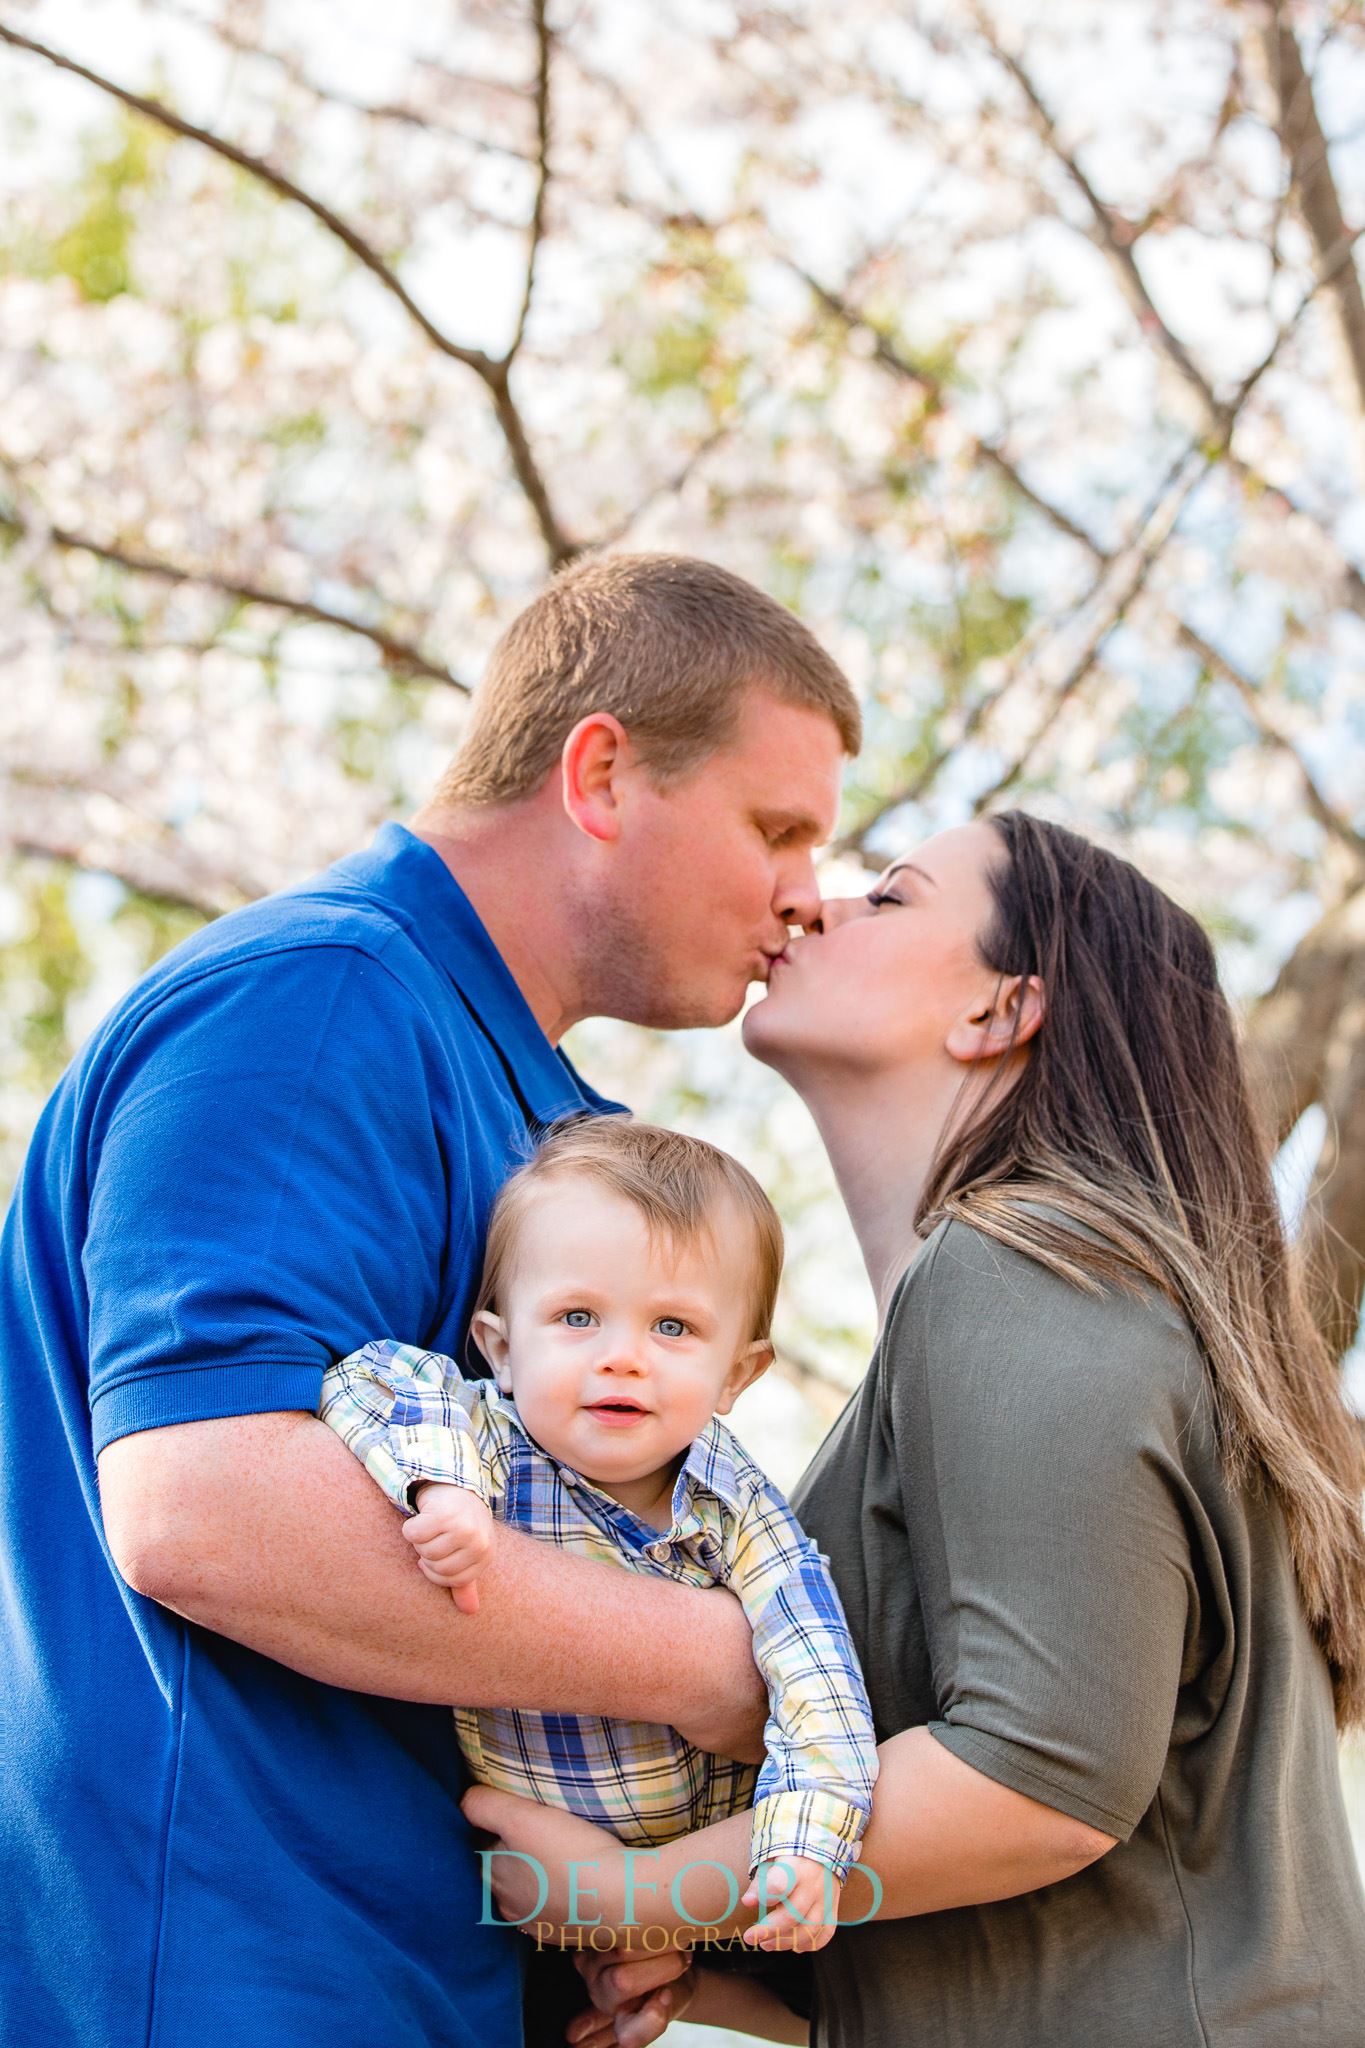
[(809, 1910), (452, 1533), (730, 1727)]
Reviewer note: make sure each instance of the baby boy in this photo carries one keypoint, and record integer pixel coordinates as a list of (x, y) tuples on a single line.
[(626, 1302)]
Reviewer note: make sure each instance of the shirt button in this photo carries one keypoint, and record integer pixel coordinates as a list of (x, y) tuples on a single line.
[(658, 1551)]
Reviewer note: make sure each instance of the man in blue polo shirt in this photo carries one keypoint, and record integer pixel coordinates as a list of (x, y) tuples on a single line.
[(230, 1798)]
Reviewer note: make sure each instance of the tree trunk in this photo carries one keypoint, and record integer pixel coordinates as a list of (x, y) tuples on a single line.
[(1305, 1044), (1315, 192)]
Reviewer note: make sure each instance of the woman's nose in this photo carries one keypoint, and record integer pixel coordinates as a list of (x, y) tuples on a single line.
[(837, 910)]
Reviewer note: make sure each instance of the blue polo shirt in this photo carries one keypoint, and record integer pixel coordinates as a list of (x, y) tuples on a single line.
[(286, 1138)]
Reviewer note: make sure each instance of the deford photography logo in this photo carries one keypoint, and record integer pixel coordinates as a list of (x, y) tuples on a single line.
[(580, 1930)]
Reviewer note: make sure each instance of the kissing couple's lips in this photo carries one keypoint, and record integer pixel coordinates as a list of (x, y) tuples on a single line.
[(781, 957), (788, 954)]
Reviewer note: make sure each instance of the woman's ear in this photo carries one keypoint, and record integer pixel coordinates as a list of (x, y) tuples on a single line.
[(591, 762), (752, 1363), (489, 1334), (1007, 1021)]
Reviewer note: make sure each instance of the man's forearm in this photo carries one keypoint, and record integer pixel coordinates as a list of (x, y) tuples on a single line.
[(266, 1529)]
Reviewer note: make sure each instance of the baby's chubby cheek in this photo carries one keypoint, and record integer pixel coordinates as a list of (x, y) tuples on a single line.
[(551, 1406)]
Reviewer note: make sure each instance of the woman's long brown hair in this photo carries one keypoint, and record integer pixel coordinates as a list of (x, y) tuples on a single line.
[(1131, 1125)]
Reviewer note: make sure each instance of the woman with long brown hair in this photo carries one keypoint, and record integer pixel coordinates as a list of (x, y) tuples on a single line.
[(1095, 1513)]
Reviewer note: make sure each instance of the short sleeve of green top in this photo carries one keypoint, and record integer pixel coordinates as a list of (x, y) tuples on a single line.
[(1041, 1560)]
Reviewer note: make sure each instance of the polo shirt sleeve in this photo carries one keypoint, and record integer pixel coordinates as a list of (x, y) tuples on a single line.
[(1036, 1428), (268, 1187)]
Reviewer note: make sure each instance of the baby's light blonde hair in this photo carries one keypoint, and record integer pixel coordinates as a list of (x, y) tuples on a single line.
[(678, 1184)]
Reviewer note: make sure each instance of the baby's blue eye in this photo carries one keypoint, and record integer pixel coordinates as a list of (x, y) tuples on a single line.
[(578, 1319), (669, 1326)]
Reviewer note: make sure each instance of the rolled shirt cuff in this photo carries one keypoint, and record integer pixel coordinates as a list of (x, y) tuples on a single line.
[(823, 1826)]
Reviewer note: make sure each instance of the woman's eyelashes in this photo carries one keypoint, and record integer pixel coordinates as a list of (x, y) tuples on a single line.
[(876, 897)]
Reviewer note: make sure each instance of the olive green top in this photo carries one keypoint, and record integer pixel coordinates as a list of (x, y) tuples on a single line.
[(1041, 1559)]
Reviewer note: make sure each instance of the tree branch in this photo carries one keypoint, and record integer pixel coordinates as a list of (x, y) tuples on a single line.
[(364, 253), (1288, 1028), (559, 546), (1160, 526), (888, 354), (1335, 1215), (1326, 814), (1304, 1045), (398, 654), (1139, 560), (1115, 237), (537, 226), (143, 879), (1314, 187), (396, 111), (826, 1393), (668, 488), (131, 873), (491, 370), (1122, 580), (55, 816)]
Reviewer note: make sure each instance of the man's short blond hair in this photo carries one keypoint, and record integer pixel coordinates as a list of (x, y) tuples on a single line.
[(668, 644), (681, 1186)]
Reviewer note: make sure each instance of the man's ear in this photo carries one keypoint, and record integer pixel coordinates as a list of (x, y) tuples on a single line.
[(752, 1363), (489, 1334), (1007, 1021), (591, 764)]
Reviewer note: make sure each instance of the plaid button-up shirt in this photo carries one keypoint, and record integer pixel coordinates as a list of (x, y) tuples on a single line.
[(410, 1417)]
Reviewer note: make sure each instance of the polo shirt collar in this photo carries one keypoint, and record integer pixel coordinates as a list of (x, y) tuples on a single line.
[(409, 875)]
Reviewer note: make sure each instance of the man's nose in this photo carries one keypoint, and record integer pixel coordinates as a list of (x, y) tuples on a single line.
[(798, 898)]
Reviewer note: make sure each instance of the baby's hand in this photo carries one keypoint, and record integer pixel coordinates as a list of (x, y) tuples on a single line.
[(452, 1533), (808, 1912)]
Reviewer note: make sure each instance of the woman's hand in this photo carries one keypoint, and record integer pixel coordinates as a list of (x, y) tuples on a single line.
[(626, 2015), (691, 1883), (632, 2002), (545, 1890)]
